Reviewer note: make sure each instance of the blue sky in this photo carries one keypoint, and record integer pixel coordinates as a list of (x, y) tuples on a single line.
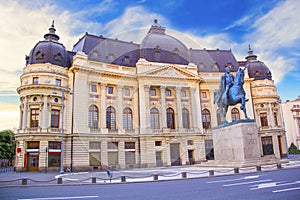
[(271, 28)]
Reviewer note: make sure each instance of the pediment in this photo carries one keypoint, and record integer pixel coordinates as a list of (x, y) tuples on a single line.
[(171, 71)]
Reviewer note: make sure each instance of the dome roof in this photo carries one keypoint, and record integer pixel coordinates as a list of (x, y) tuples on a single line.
[(257, 69), (157, 46), (49, 51)]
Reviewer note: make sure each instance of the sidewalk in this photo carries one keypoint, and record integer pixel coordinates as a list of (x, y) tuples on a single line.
[(15, 179)]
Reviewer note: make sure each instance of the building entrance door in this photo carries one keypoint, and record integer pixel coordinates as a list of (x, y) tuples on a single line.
[(32, 162), (175, 154)]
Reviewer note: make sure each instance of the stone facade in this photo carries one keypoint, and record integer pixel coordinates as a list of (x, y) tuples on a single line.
[(143, 114), (291, 115)]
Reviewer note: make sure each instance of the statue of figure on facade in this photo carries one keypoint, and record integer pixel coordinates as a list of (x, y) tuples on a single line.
[(230, 92)]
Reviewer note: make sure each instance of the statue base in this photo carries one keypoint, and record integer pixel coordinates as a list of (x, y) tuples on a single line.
[(236, 144)]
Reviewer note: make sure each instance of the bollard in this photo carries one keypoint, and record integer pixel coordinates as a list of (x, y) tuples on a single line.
[(123, 179), (183, 174), (155, 177), (24, 181), (236, 170), (258, 168), (59, 181), (279, 166), (94, 180), (211, 172)]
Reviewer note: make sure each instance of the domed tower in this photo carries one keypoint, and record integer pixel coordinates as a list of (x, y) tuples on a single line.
[(157, 46), (43, 94), (267, 110)]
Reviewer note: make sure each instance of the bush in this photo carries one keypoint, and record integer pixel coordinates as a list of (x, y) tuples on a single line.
[(293, 149)]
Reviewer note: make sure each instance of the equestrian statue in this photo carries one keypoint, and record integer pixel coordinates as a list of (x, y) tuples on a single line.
[(231, 92)]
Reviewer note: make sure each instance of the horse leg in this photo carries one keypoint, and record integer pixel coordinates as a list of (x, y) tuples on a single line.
[(243, 107), (224, 114)]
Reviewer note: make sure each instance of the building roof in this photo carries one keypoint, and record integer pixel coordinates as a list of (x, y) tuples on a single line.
[(49, 51)]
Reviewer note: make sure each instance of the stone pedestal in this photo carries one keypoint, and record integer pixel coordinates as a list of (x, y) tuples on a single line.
[(236, 144)]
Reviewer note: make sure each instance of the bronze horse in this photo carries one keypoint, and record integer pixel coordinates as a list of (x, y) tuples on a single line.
[(236, 94)]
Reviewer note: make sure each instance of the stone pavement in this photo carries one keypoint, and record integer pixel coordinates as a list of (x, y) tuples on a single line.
[(16, 179)]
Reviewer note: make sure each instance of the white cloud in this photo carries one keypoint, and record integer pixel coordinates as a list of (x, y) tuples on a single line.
[(277, 30)]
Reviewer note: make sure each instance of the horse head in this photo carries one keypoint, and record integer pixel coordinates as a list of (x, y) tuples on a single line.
[(239, 77)]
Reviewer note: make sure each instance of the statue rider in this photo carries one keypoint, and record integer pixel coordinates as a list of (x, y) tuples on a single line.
[(226, 82)]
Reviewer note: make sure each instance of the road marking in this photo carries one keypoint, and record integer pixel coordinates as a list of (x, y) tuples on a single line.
[(245, 183), (237, 179), (59, 198), (273, 184), (285, 190)]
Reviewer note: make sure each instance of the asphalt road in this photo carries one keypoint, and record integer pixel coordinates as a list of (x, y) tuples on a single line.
[(281, 184)]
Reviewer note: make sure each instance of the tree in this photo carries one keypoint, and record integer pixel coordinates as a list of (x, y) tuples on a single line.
[(7, 145), (293, 149)]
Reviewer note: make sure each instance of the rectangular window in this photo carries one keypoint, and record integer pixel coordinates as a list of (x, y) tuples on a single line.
[(34, 118), (54, 153), (275, 119), (190, 142), (130, 153), (183, 93), (267, 145), (153, 92), (95, 153), (54, 118), (126, 92), (54, 145), (203, 95), (58, 82), (158, 143), (93, 88), (168, 93), (264, 119), (113, 155), (209, 149), (110, 90), (35, 80), (112, 145)]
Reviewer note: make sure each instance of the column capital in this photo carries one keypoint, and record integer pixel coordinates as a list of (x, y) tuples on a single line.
[(162, 87), (146, 87)]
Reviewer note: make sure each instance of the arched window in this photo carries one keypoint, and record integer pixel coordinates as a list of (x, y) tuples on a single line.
[(170, 118), (185, 118), (93, 116), (154, 118), (235, 114), (127, 119), (111, 118), (206, 119)]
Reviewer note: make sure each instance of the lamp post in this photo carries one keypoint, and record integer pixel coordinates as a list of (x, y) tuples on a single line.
[(62, 131)]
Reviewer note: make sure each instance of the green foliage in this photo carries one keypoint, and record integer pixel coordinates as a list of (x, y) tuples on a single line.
[(293, 149), (7, 145)]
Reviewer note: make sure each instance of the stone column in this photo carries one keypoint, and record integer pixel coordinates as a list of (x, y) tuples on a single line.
[(119, 113), (271, 116), (163, 107), (193, 106), (45, 114), (179, 108), (103, 107), (122, 154), (147, 111), (25, 113)]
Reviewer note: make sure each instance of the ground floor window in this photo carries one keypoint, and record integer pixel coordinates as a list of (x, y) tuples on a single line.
[(130, 153), (95, 153), (159, 161), (267, 145), (209, 149), (54, 153), (113, 155)]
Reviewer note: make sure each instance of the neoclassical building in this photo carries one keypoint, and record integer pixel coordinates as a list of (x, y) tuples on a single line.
[(112, 103), (291, 115)]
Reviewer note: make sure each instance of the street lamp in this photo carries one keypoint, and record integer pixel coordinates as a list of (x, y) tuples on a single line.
[(62, 130)]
